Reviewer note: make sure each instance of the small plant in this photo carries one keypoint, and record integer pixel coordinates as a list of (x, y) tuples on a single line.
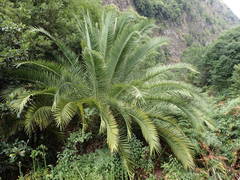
[(73, 164), (173, 170), (14, 157), (143, 163), (38, 155)]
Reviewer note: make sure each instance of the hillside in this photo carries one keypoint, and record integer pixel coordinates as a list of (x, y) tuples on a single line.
[(183, 21), (91, 92)]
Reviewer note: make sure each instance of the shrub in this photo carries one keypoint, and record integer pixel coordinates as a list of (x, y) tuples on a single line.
[(195, 55), (173, 170), (14, 157), (221, 58), (99, 163), (236, 80)]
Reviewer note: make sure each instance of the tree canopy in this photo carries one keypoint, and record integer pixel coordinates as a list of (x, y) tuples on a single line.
[(221, 58)]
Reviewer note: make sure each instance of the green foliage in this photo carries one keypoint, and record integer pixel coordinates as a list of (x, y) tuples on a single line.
[(16, 151), (122, 97), (175, 11), (39, 155), (236, 80), (216, 62), (229, 136), (12, 156), (174, 171), (160, 9), (221, 58), (39, 174), (189, 39), (56, 16), (195, 55), (143, 163), (102, 83), (19, 42), (72, 164), (8, 121), (40, 170), (229, 128), (217, 156)]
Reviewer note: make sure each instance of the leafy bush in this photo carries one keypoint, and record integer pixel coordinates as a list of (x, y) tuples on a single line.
[(217, 157), (195, 55), (173, 170), (221, 58), (14, 157), (56, 16), (236, 80), (73, 163), (99, 163)]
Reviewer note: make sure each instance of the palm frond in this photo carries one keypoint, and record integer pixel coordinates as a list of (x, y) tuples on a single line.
[(64, 112), (153, 72), (105, 79), (22, 97), (139, 54), (148, 128), (45, 65), (178, 142), (37, 115), (112, 128), (68, 53), (125, 153), (96, 70)]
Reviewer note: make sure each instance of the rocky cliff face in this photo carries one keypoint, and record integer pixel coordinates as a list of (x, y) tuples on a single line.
[(200, 21), (121, 4)]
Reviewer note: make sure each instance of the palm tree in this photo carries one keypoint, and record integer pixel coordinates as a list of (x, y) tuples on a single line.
[(107, 77)]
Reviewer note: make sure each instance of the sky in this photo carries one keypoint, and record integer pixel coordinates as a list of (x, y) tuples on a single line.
[(234, 5)]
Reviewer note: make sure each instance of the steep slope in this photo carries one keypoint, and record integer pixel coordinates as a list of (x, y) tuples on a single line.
[(121, 4), (184, 21)]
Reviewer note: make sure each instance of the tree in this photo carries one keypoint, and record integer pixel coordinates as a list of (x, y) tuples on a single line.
[(221, 58), (195, 55), (106, 79), (233, 104)]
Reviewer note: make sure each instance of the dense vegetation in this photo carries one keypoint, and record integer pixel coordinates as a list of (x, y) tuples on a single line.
[(216, 61), (173, 11), (221, 58), (164, 10), (87, 94), (187, 22)]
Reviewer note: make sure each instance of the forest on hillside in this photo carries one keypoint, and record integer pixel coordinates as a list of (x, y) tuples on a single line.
[(89, 91)]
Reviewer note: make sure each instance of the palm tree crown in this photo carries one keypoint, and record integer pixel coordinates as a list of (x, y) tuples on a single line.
[(107, 78)]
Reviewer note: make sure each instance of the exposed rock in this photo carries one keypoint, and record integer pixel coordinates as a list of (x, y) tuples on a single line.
[(211, 17), (121, 4)]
